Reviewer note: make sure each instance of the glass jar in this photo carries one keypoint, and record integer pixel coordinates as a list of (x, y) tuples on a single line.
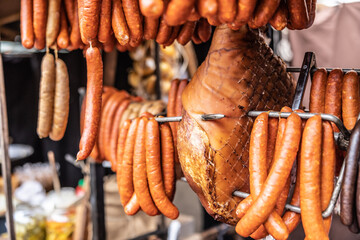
[(29, 224), (60, 225)]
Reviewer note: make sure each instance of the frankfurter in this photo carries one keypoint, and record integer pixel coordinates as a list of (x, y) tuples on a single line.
[(26, 23)]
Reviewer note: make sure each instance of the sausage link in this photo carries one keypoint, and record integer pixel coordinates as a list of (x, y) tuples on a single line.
[(164, 32), (203, 30), (89, 24), (119, 25), (153, 168), (275, 181), (70, 10), (63, 37), (298, 14), (350, 99), (125, 185), (245, 11), (312, 11), (328, 161), (140, 178), (151, 26), (310, 179), (134, 21), (265, 10), (46, 98), (195, 38), (123, 131), (53, 22), (207, 8), (151, 8), (168, 160), (75, 38), (93, 95), (186, 32), (178, 11), (333, 94), (317, 92), (174, 34), (26, 23), (243, 206), (280, 18), (104, 35), (133, 206), (214, 20), (227, 11), (272, 134), (61, 101), (39, 18), (194, 15)]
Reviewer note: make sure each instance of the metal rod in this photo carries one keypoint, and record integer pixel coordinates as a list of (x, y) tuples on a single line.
[(4, 156), (204, 117), (314, 69), (157, 71)]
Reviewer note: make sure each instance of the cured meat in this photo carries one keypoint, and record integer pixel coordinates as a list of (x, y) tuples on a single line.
[(240, 74)]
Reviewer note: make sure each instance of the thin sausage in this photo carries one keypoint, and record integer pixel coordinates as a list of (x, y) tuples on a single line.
[(61, 101), (186, 32), (333, 94), (164, 32), (227, 11), (275, 181), (195, 38), (89, 24), (151, 26), (119, 25), (310, 179), (140, 178), (125, 185), (311, 11), (272, 133), (39, 18), (178, 102), (280, 18), (153, 168), (53, 22), (265, 11), (298, 14), (168, 160), (93, 95), (207, 8), (104, 35), (174, 34), (317, 92), (350, 99), (46, 98), (151, 8), (178, 11), (123, 131), (26, 23), (75, 38), (63, 37), (134, 21), (133, 206), (328, 161), (172, 106), (70, 10), (203, 30)]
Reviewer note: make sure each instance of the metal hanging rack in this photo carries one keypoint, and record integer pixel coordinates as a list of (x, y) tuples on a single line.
[(342, 138)]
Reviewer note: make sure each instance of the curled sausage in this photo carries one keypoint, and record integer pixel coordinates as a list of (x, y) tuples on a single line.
[(26, 23), (93, 95)]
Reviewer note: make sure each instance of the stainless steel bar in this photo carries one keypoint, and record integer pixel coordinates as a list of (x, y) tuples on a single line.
[(314, 69), (4, 156), (209, 117), (168, 119)]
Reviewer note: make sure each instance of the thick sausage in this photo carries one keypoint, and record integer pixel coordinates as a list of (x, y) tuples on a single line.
[(89, 24), (63, 37), (328, 160), (26, 23), (118, 23), (310, 203), (194, 15), (275, 181), (70, 10), (93, 99), (298, 14), (123, 131), (164, 32), (133, 206), (39, 18), (140, 178), (178, 11), (46, 98), (151, 26), (203, 30), (134, 21), (75, 38), (104, 35), (265, 11), (280, 18), (311, 7), (61, 101), (153, 168), (207, 8), (245, 11), (53, 22), (348, 186), (227, 11), (350, 99), (151, 8), (125, 185), (168, 160), (317, 92), (333, 94)]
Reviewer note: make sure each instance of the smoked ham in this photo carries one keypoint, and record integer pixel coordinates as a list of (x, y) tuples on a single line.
[(240, 74)]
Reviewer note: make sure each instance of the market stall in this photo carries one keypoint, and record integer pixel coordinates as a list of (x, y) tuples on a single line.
[(125, 107)]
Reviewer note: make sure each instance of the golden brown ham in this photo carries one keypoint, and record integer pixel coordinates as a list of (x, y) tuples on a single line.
[(240, 74)]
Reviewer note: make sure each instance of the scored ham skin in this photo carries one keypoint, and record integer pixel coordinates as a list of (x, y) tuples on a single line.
[(239, 74)]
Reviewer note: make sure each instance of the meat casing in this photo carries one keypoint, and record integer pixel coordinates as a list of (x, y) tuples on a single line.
[(239, 74)]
